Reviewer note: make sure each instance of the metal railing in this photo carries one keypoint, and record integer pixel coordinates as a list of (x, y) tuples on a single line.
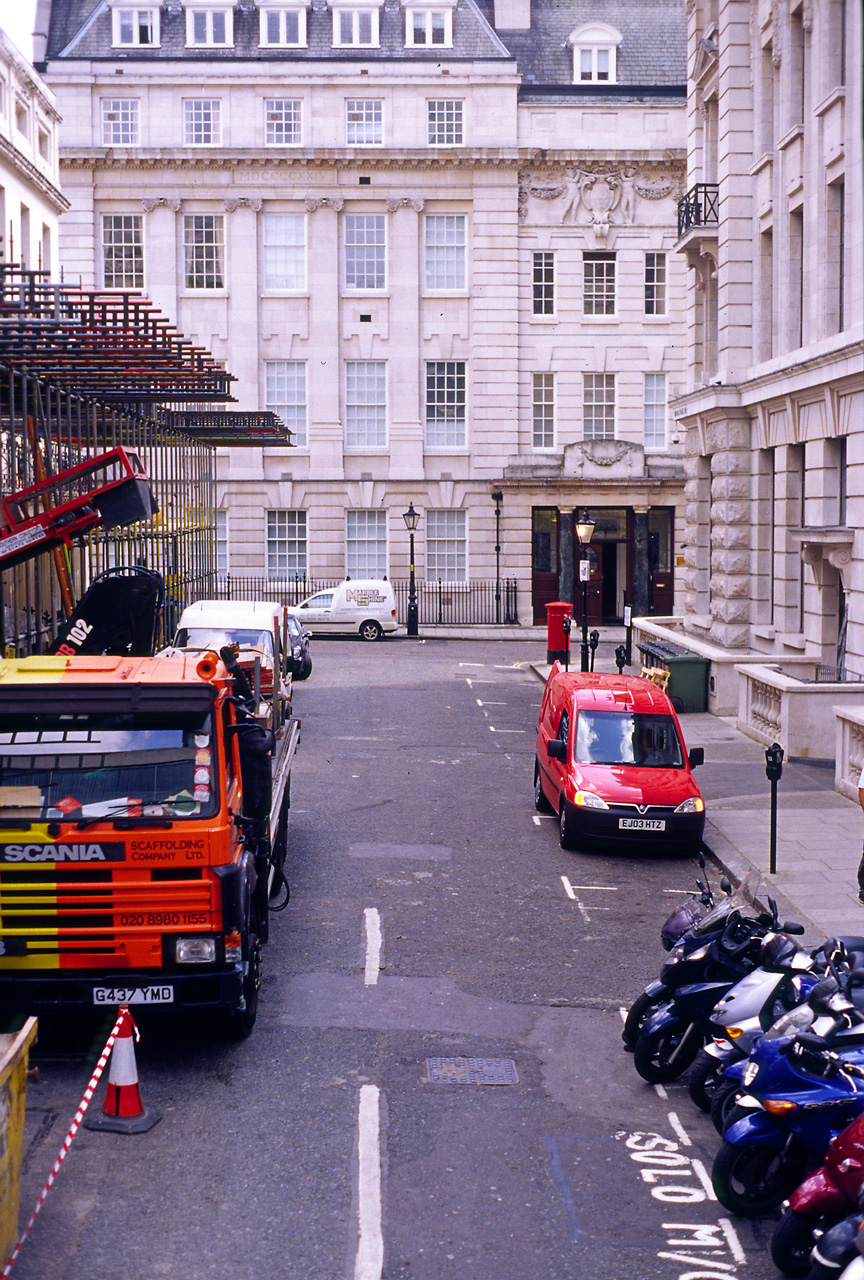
[(700, 207), (477, 602)]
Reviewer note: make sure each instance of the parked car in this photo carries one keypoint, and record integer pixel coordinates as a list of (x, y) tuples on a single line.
[(298, 642), (358, 606), (611, 762)]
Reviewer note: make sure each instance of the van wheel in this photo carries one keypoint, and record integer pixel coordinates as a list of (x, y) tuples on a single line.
[(541, 804), (567, 833), (239, 1023), (370, 630)]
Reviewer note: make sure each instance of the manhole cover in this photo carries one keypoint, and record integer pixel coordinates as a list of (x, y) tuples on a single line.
[(471, 1071)]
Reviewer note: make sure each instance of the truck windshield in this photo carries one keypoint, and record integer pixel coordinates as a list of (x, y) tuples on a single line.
[(620, 737), (74, 767)]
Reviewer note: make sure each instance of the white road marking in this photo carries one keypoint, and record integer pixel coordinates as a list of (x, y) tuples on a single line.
[(535, 819), (735, 1246), (679, 1129), (702, 1175), (373, 946), (472, 664), (490, 704), (568, 888), (601, 888), (369, 1262), (492, 729), (661, 1092)]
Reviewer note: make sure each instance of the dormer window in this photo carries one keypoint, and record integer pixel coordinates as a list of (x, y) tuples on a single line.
[(428, 26), (135, 27), (355, 26), (283, 25), (595, 53), (209, 25)]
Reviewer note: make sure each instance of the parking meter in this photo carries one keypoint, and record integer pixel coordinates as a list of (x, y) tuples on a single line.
[(773, 771), (620, 657), (593, 641), (566, 623)]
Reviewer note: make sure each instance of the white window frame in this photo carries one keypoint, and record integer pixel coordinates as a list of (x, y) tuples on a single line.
[(372, 112), (282, 13), (284, 250), (194, 119), (209, 12), (445, 252), (284, 529), (285, 394), (128, 120), (190, 259), (599, 45), (135, 13), (598, 393), (428, 16), (366, 394), (365, 530), (274, 108), (543, 290), (599, 287), (446, 538), (445, 122), (446, 430), (542, 411), (656, 282), (131, 233), (655, 411), (223, 564), (365, 243), (349, 21)]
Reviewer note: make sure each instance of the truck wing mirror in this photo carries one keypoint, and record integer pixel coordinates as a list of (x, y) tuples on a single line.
[(556, 749), (697, 756)]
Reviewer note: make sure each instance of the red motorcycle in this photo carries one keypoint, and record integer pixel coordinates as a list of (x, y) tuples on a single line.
[(824, 1199)]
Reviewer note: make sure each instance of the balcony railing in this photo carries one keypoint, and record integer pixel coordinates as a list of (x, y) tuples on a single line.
[(699, 207)]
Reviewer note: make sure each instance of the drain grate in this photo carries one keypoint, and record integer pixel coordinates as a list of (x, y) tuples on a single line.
[(471, 1071)]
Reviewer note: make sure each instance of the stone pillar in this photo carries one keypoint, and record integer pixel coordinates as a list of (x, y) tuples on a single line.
[(565, 557), (406, 428), (641, 597), (326, 437), (728, 440)]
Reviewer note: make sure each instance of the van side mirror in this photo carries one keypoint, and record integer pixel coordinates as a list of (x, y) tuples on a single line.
[(557, 750), (696, 756)]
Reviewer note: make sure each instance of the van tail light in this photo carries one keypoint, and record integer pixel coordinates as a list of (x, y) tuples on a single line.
[(393, 613)]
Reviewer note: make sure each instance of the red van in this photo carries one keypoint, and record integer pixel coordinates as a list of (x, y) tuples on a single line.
[(611, 762)]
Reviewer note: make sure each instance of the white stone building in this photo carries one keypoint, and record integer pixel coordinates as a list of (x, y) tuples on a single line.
[(30, 198), (436, 237), (771, 229)]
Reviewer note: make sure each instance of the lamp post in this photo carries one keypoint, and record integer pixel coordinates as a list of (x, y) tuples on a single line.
[(497, 498), (412, 519), (584, 532)]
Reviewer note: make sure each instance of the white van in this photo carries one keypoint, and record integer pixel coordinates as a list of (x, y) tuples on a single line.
[(254, 625), (358, 606)]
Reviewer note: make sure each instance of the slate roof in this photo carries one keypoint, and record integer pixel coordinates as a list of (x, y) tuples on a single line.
[(652, 51)]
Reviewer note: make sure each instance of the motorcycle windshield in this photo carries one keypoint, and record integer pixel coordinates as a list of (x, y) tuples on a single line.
[(743, 900)]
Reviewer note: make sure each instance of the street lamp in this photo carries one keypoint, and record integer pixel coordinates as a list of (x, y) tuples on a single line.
[(584, 532), (412, 519), (497, 498)]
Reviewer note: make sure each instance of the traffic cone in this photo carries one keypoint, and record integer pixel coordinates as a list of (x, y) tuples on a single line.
[(123, 1111)]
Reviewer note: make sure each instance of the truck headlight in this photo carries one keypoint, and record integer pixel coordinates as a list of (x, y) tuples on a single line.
[(196, 950), (692, 805)]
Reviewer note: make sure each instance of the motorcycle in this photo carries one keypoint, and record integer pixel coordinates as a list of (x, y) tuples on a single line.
[(801, 1095), (822, 1201), (672, 1036), (687, 958)]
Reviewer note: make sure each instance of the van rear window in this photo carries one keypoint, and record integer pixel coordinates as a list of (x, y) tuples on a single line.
[(616, 737)]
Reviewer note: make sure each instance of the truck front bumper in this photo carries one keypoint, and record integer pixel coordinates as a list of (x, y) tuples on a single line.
[(40, 992)]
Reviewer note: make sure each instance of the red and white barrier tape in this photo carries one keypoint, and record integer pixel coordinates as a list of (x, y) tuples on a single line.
[(122, 1014)]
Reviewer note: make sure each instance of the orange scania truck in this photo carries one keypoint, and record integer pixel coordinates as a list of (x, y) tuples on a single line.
[(143, 833)]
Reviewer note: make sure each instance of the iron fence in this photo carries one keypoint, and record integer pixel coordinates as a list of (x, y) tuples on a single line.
[(477, 602), (700, 207)]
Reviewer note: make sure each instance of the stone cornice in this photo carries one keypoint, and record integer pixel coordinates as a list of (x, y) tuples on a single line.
[(260, 164), (14, 158)]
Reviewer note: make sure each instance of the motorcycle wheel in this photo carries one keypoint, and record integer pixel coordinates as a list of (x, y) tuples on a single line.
[(723, 1104), (752, 1179), (706, 1075), (637, 1015), (794, 1238), (666, 1054)]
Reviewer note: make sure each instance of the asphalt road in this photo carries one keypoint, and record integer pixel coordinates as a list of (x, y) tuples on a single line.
[(434, 919)]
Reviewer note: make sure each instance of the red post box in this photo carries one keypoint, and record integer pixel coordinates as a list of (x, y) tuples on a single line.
[(557, 636)]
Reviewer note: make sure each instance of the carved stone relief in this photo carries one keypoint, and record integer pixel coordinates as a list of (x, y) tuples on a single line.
[(405, 202), (149, 203), (243, 202), (325, 202), (597, 195)]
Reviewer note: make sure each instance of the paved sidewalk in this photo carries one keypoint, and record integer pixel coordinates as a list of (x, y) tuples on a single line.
[(819, 832)]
